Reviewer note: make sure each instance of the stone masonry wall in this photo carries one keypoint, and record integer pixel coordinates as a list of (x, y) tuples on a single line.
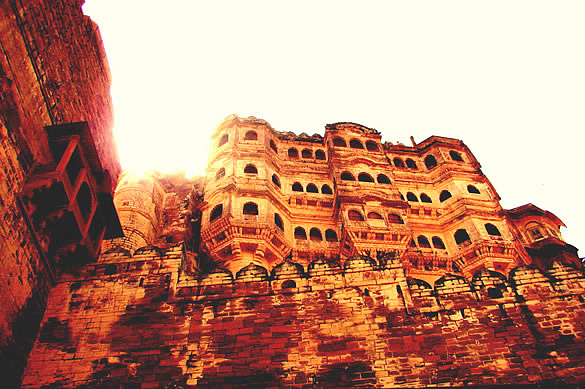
[(139, 321)]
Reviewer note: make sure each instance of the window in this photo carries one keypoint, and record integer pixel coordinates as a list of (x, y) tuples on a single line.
[(444, 195), (383, 179), (216, 213), (315, 234), (411, 197), (355, 216), (84, 199), (220, 173), (339, 142), (455, 156), (371, 146), (365, 177), (395, 219), (250, 209), (289, 284), (330, 236), (398, 162), (425, 198), (492, 230), (250, 169), (251, 135), (278, 221), (535, 230), (307, 154), (275, 180), (223, 140), (411, 164), (472, 189), (311, 188), (346, 176), (461, 236), (320, 155), (423, 242), (293, 153), (300, 233), (356, 144), (326, 189), (430, 161), (273, 146), (438, 243), (297, 187), (374, 216)]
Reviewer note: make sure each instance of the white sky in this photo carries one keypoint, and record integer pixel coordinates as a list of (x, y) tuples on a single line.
[(506, 77)]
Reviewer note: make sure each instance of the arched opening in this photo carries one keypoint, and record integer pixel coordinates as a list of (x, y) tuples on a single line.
[(438, 243), (445, 195), (472, 189), (307, 154), (374, 216), (297, 187), (315, 234), (494, 293), (365, 177), (220, 173), (425, 198), (423, 242), (398, 162), (371, 146), (455, 156), (492, 230), (355, 216), (320, 155), (395, 219), (289, 284), (251, 135), (250, 209), (275, 180), (411, 197), (330, 236), (273, 146), (84, 200), (300, 233), (216, 212), (311, 188), (356, 144), (339, 142), (430, 161), (293, 153), (347, 176), (278, 221), (411, 164), (461, 236), (223, 140), (250, 169), (326, 189), (383, 179)]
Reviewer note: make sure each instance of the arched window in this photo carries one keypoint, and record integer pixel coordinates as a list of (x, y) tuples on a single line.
[(220, 173), (425, 198), (472, 189), (307, 154), (311, 188), (293, 153), (300, 233), (383, 179), (250, 169), (320, 155), (297, 187), (374, 216), (461, 236), (371, 146), (438, 243), (365, 177), (445, 195), (340, 142), (355, 215), (251, 135), (398, 162), (273, 146), (330, 236), (250, 209), (275, 180), (315, 234), (411, 164), (216, 213), (492, 230), (223, 140), (346, 176), (278, 221), (401, 196), (326, 189), (395, 219), (411, 197), (289, 284), (356, 144), (423, 242), (430, 161), (455, 156)]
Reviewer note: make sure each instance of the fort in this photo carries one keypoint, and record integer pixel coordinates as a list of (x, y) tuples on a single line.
[(334, 260)]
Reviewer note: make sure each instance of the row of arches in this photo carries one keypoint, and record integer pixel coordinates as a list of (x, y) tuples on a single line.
[(293, 153), (423, 242), (356, 144), (356, 215), (461, 236), (409, 163), (315, 234), (444, 195), (312, 188), (365, 177)]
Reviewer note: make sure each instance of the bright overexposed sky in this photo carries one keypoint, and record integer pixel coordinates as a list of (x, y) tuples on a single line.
[(506, 77)]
